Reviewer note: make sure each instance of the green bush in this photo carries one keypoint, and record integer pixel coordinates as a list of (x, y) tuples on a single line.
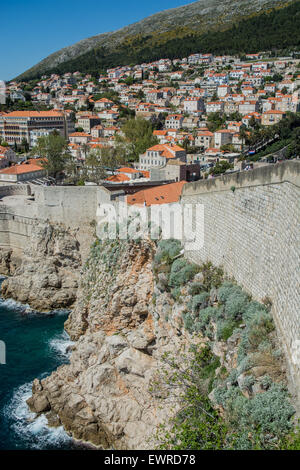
[(226, 290), (181, 272), (268, 412), (266, 417), (266, 382), (212, 276), (176, 293), (248, 383), (251, 310), (257, 330), (188, 322), (225, 329), (235, 305), (199, 301), (167, 250), (196, 288), (203, 319)]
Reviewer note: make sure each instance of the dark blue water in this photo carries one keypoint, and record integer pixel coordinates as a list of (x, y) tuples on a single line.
[(35, 345)]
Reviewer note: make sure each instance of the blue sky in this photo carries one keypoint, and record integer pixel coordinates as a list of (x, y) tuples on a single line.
[(33, 29)]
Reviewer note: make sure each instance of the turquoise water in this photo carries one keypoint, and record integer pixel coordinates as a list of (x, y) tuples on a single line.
[(35, 345)]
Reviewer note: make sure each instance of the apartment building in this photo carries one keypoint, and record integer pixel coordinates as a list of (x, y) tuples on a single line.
[(204, 139), (88, 122), (193, 105), (17, 125), (174, 121), (269, 118)]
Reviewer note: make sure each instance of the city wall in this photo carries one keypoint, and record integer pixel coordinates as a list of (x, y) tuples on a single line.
[(23, 206), (251, 228)]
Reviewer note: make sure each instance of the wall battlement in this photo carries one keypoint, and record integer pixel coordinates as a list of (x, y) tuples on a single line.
[(251, 228)]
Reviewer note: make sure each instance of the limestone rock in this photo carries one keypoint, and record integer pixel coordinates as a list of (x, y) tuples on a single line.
[(47, 277)]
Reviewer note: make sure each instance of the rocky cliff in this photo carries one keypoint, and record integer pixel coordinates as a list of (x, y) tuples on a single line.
[(46, 275), (135, 305)]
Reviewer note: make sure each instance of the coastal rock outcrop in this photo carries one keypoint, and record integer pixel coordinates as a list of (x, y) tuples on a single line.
[(103, 395), (47, 277), (5, 262), (136, 305)]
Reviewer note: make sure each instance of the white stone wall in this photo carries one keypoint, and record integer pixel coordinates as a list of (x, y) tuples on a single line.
[(253, 232)]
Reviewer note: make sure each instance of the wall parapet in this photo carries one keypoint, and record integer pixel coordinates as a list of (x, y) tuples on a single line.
[(288, 171)]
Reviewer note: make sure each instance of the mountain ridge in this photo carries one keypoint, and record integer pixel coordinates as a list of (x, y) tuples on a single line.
[(197, 17)]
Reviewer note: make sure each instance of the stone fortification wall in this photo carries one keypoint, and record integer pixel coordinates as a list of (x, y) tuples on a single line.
[(251, 228)]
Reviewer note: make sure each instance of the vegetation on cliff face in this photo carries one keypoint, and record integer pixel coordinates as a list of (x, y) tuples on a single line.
[(237, 26), (232, 385), (138, 302)]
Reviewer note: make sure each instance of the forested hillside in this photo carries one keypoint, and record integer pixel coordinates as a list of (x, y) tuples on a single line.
[(273, 29)]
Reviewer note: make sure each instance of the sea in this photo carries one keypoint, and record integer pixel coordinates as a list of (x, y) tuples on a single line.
[(35, 345)]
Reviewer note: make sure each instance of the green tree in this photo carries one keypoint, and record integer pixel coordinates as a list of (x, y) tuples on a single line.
[(215, 121), (54, 150), (93, 170), (220, 168), (138, 136), (24, 145)]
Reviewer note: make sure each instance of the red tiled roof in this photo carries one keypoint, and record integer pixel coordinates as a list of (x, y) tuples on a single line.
[(30, 166), (35, 114), (164, 194), (120, 178), (127, 170)]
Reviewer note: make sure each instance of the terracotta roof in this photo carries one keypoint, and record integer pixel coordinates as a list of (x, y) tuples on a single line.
[(79, 134), (160, 132), (127, 170), (164, 194), (162, 147), (24, 168), (35, 114), (120, 178), (273, 111)]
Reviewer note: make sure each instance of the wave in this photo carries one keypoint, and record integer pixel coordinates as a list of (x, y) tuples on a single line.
[(61, 344), (11, 304), (33, 431)]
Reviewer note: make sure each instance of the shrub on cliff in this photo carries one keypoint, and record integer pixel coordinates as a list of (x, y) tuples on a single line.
[(197, 426), (212, 275), (182, 271), (258, 326), (225, 329), (200, 301), (228, 289), (196, 288), (235, 305), (167, 250), (262, 421)]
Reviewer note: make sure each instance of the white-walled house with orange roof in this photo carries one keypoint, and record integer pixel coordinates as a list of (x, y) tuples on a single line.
[(158, 155), (79, 138)]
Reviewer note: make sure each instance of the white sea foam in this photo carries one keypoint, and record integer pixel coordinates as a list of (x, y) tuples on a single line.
[(32, 430), (11, 304), (60, 344)]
